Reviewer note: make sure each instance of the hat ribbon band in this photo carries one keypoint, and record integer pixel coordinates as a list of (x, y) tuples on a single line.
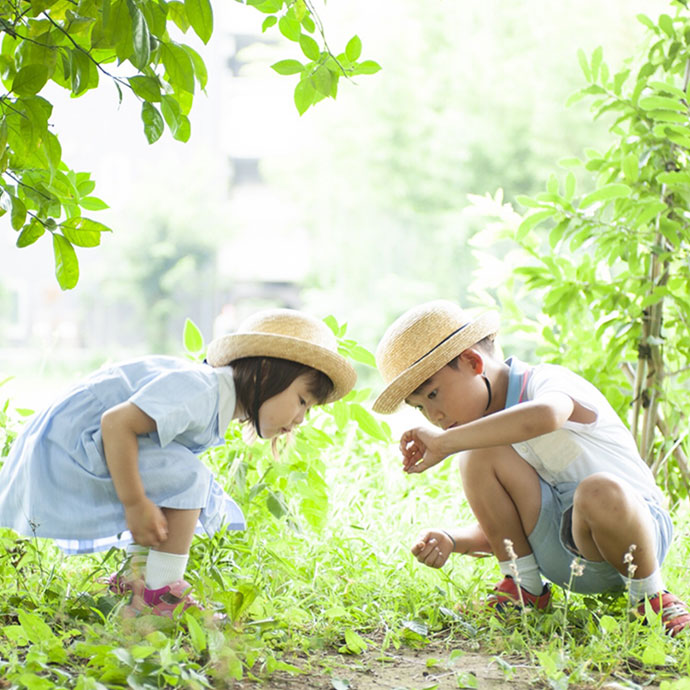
[(435, 347)]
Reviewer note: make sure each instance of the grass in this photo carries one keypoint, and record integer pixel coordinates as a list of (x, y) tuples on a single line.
[(332, 572)]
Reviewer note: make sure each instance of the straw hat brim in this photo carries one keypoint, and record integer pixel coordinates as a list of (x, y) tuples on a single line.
[(234, 346), (390, 399)]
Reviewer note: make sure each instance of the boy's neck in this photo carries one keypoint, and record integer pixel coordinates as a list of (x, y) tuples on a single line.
[(498, 374)]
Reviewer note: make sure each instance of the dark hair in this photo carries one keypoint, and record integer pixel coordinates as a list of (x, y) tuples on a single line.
[(259, 378)]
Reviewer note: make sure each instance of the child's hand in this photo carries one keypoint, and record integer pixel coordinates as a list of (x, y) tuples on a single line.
[(433, 548), (147, 523), (421, 449)]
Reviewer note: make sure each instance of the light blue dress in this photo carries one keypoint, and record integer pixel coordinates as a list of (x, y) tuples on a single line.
[(55, 482)]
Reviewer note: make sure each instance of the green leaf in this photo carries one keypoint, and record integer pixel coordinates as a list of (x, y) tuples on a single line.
[(83, 232), (531, 222), (366, 422), (147, 88), (304, 95), (200, 15), (141, 39), (183, 130), (354, 642), (66, 263), (323, 80), (362, 355), (662, 103), (570, 183), (92, 203), (178, 13), (288, 67), (309, 47), (268, 23), (18, 214), (584, 64), (30, 233), (291, 29), (606, 193), (466, 679), (177, 122), (527, 201), (367, 67), (644, 19), (80, 71), (597, 56), (192, 337), (666, 24), (653, 655), (674, 178), (153, 122), (276, 505), (30, 80), (569, 162), (353, 49), (196, 633), (179, 66), (36, 630), (199, 66), (631, 169)]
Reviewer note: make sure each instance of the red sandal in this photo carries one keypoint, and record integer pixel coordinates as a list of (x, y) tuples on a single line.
[(674, 612)]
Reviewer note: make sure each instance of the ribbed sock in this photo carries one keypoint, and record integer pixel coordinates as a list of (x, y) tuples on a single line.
[(528, 573), (136, 555), (645, 586), (164, 568)]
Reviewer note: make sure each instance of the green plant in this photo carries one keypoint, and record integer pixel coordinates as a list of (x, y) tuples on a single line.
[(614, 258), (75, 46)]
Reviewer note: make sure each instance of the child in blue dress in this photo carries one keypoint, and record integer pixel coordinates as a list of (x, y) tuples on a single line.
[(551, 473), (114, 461)]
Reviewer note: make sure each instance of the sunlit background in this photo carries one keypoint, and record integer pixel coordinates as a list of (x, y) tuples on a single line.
[(356, 209)]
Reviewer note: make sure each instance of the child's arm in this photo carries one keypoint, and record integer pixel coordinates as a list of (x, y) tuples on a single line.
[(120, 426), (423, 448), (434, 546)]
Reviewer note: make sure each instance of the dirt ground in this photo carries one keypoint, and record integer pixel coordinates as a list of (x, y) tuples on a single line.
[(409, 669)]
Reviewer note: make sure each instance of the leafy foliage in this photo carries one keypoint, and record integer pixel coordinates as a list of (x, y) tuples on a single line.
[(74, 45), (329, 522), (611, 264)]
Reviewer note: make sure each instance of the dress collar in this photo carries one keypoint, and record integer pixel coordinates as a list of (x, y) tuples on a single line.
[(226, 397)]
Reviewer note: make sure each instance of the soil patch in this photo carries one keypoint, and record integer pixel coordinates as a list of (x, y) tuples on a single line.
[(410, 669)]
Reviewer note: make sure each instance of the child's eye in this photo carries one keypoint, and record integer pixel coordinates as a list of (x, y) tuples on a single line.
[(432, 395), (302, 401)]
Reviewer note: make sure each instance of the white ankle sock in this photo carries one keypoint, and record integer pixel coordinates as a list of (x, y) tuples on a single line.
[(164, 568), (137, 556), (645, 586), (528, 573)]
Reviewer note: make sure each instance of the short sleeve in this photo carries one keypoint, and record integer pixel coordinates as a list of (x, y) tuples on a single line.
[(182, 403), (550, 378)]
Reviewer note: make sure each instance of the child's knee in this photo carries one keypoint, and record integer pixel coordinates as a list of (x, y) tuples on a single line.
[(600, 494)]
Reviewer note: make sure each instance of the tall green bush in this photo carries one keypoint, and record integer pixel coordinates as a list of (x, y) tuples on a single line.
[(611, 263)]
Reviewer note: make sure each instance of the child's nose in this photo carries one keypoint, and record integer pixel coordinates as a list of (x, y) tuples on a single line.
[(299, 418)]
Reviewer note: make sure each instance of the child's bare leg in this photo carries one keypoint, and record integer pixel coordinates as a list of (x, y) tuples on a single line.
[(505, 496), (181, 525), (167, 563), (608, 517)]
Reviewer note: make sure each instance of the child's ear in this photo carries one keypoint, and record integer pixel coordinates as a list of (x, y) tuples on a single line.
[(474, 359)]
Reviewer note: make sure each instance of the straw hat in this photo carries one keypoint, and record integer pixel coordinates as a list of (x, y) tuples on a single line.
[(422, 341), (286, 334)]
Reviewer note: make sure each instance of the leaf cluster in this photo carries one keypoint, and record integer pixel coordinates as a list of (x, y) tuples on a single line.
[(608, 262), (78, 44)]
